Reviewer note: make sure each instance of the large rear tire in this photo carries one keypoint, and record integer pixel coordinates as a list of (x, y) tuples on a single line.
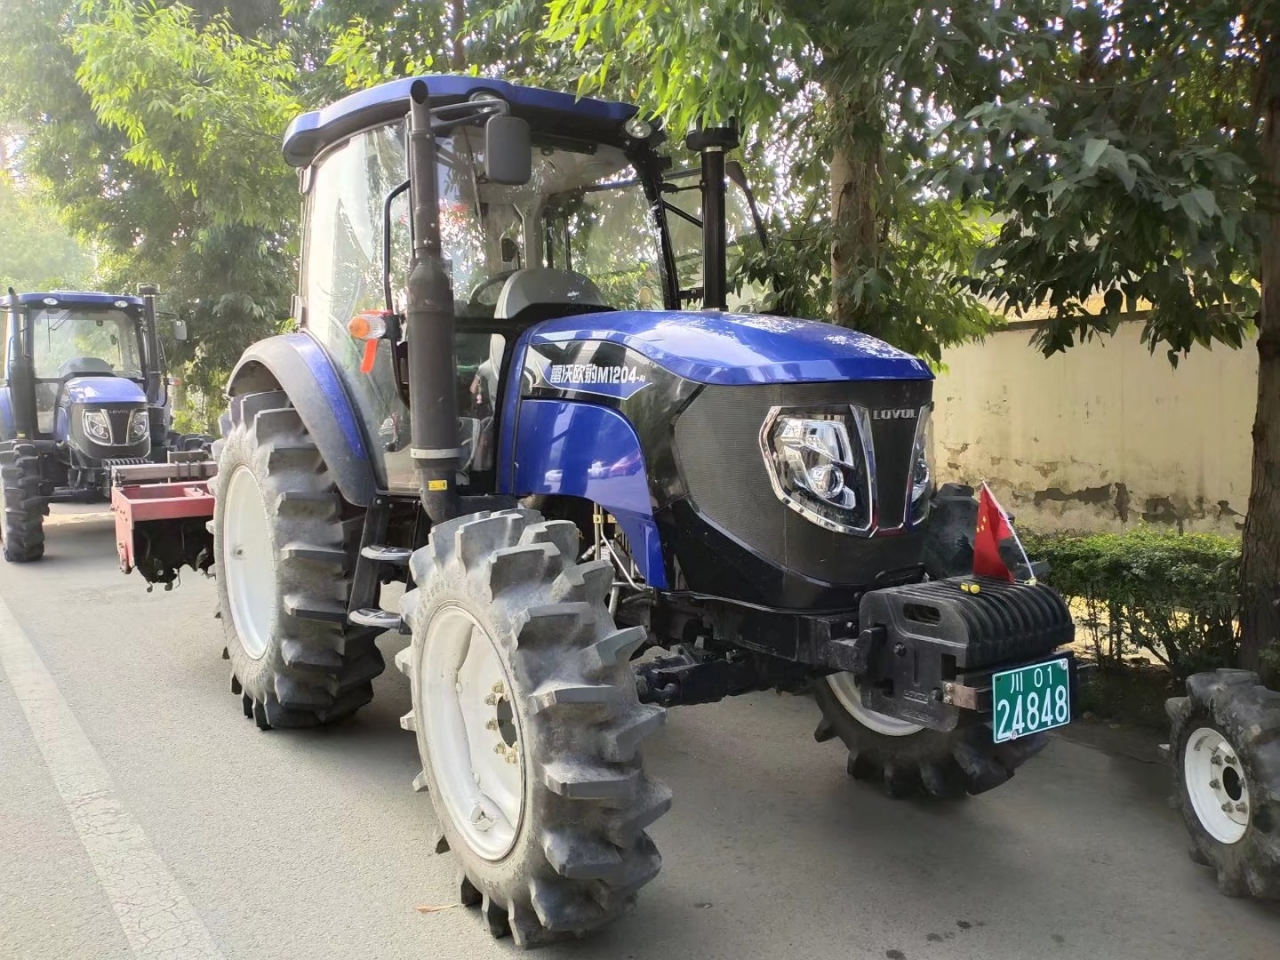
[(1226, 774), (23, 508), (912, 761), (283, 559), (529, 727)]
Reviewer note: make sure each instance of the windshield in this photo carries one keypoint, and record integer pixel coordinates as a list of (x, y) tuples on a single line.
[(76, 340), (582, 210)]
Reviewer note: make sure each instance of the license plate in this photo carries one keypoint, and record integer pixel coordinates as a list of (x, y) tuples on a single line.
[(1030, 699)]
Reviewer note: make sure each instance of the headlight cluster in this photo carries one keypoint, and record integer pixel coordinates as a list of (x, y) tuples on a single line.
[(139, 426), (921, 494), (817, 470), (822, 464), (96, 426)]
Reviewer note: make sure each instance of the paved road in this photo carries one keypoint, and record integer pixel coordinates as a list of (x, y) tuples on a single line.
[(140, 815)]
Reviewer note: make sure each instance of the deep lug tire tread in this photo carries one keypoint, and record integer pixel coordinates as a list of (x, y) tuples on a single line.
[(22, 528), (934, 764), (581, 853), (317, 668), (1247, 714)]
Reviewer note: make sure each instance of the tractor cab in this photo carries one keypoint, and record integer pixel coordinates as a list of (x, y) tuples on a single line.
[(83, 390)]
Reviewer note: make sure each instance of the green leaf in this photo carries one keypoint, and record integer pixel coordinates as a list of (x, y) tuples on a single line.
[(1093, 151)]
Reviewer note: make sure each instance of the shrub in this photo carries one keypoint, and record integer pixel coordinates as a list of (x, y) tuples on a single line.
[(1175, 595)]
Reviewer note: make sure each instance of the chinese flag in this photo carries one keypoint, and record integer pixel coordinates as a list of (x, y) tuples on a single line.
[(992, 528)]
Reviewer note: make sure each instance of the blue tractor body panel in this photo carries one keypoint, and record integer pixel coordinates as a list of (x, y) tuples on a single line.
[(730, 348), (588, 451), (71, 298), (102, 390), (302, 367), (310, 133)]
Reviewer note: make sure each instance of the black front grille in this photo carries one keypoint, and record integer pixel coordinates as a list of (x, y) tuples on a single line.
[(717, 441)]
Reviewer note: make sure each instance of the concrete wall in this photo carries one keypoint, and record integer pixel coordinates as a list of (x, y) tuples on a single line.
[(1102, 437)]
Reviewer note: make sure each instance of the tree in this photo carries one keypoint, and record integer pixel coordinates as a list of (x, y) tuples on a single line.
[(36, 251), (155, 129), (1133, 154)]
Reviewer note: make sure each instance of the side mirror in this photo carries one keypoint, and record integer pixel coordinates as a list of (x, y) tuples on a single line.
[(180, 330), (508, 150)]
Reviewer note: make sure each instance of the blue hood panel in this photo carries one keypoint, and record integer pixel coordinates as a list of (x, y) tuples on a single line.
[(103, 390), (735, 348)]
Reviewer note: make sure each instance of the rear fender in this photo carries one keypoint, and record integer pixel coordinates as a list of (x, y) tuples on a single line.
[(297, 364)]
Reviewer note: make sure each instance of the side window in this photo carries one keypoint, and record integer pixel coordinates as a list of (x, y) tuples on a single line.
[(684, 223)]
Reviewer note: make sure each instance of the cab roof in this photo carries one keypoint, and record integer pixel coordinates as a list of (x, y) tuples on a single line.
[(548, 112), (75, 298)]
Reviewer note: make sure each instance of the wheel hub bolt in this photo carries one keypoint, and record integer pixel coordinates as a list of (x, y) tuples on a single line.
[(491, 724), (1227, 807), (498, 688), (1230, 761), (491, 700), (1242, 807), (1216, 760), (499, 748), (1214, 784)]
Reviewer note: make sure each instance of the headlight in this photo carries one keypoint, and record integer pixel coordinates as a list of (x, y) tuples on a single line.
[(819, 466), (96, 426), (921, 493), (139, 426)]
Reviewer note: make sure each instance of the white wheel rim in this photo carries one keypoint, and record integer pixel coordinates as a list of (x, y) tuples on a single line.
[(845, 687), (472, 734), (248, 563), (1216, 785)]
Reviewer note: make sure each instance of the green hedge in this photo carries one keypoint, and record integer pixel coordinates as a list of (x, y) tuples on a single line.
[(1174, 595)]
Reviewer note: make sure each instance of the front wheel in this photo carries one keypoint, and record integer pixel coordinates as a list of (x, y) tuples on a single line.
[(913, 761), (1226, 773), (529, 726), (22, 506)]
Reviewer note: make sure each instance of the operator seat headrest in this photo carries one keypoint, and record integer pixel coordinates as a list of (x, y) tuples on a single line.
[(81, 366), (549, 293)]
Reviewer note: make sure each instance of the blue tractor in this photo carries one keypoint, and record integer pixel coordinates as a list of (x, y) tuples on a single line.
[(84, 391), (499, 397)]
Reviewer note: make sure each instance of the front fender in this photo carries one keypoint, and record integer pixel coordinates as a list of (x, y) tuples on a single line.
[(297, 364)]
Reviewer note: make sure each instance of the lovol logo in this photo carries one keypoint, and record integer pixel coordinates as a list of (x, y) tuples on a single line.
[(902, 413)]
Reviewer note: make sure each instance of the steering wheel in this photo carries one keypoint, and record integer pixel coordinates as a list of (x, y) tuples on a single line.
[(484, 286)]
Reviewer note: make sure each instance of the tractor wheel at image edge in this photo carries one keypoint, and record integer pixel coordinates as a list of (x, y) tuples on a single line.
[(1225, 754), (529, 726), (23, 508), (911, 761), (283, 572)]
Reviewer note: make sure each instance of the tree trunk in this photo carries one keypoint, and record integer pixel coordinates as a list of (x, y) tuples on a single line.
[(458, 19), (1260, 566), (856, 171)]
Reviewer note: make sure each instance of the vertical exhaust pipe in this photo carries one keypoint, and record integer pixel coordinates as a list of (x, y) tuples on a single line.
[(712, 143), (21, 372), (429, 327), (151, 342)]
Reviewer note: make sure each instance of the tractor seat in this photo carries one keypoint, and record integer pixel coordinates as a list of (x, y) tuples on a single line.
[(541, 293), (79, 366), (533, 295)]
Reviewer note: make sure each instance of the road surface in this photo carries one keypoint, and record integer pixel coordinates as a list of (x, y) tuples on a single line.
[(142, 816)]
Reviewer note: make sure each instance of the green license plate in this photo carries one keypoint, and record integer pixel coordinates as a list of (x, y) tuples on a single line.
[(1030, 699)]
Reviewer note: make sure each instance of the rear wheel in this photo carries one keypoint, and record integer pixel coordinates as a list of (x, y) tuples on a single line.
[(529, 727), (1226, 772), (913, 761), (283, 556), (23, 508)]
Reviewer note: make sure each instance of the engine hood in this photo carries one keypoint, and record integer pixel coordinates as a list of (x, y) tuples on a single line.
[(735, 348), (102, 390)]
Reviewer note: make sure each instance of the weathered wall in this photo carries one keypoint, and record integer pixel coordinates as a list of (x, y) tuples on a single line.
[(1102, 437)]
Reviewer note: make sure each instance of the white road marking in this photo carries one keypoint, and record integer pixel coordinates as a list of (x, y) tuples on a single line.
[(157, 918)]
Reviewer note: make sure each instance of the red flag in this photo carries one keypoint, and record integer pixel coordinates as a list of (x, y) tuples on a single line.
[(992, 528)]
